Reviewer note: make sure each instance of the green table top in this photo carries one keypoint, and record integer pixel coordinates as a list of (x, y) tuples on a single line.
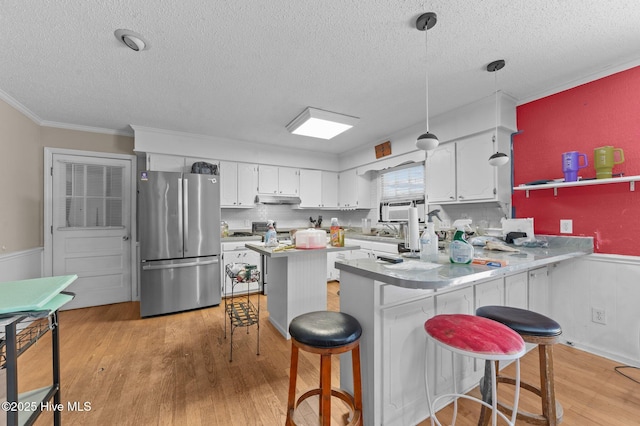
[(33, 294)]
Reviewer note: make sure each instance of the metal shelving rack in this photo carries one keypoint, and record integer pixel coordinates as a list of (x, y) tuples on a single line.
[(239, 308), (19, 333)]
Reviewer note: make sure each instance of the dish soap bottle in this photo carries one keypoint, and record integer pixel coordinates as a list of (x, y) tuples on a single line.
[(429, 244), (270, 238), (460, 251), (335, 232)]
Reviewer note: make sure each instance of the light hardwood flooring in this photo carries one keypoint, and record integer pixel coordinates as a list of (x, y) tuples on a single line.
[(175, 370)]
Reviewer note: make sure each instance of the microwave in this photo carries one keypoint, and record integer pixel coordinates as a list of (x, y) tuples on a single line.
[(399, 211)]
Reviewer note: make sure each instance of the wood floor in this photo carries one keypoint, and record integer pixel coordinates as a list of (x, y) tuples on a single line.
[(175, 370)]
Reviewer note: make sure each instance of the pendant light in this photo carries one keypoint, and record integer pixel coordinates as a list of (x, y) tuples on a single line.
[(427, 141), (499, 158)]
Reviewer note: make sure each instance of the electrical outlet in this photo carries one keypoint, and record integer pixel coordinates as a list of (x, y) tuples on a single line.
[(566, 226), (598, 315)]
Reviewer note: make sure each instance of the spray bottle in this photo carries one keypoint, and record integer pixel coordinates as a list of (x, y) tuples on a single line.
[(460, 251), (429, 240), (271, 237)]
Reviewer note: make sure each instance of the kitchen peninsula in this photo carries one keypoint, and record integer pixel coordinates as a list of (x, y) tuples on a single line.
[(392, 302), (297, 282)]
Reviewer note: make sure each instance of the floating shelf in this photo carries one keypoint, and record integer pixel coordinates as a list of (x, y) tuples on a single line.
[(555, 185)]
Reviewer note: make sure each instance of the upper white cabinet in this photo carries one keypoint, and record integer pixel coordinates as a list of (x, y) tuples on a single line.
[(165, 163), (318, 189), (278, 180), (459, 172), (354, 190), (239, 182)]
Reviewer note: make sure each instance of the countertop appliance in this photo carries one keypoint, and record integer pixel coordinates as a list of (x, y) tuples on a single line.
[(180, 250)]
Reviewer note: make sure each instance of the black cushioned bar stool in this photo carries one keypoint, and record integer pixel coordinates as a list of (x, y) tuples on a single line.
[(326, 333), (542, 331)]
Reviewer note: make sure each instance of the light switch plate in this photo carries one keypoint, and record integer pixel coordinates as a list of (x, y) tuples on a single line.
[(566, 226)]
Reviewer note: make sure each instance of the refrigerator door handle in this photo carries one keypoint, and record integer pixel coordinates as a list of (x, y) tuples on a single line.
[(180, 215), (179, 265), (185, 182)]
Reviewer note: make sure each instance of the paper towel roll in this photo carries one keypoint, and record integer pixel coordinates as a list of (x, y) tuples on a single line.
[(414, 230)]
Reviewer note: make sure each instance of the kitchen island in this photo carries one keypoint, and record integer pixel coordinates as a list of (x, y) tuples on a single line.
[(392, 302), (297, 282)]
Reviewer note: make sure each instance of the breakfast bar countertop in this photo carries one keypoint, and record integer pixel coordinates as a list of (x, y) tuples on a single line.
[(413, 273), (269, 251)]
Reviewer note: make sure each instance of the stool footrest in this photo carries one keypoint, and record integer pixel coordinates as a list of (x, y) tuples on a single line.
[(347, 398), (536, 419)]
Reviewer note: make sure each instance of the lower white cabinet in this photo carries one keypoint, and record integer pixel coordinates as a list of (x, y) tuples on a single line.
[(538, 282), (236, 252)]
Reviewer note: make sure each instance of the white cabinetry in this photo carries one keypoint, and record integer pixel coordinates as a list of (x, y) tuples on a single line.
[(239, 182), (539, 290), (458, 172), (515, 290), (318, 189), (354, 190), (236, 252), (278, 180), (165, 163)]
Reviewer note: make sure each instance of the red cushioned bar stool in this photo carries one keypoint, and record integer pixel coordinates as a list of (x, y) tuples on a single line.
[(475, 337), (326, 333), (544, 332)]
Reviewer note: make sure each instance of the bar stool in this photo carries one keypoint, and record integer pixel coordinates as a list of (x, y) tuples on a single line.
[(544, 332), (474, 337), (326, 333)]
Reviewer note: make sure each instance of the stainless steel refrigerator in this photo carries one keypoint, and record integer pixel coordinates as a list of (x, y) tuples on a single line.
[(179, 233)]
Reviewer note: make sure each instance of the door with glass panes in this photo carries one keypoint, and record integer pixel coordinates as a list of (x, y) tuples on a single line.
[(91, 224)]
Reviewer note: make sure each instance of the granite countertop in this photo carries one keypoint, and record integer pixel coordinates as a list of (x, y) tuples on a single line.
[(412, 273), (268, 251)]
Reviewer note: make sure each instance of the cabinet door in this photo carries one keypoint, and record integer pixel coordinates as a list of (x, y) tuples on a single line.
[(267, 179), (515, 290), (228, 184), (347, 189), (247, 184), (165, 163), (310, 188), (288, 181), (490, 293), (440, 176), (329, 189), (403, 351), (476, 178), (539, 290), (454, 302)]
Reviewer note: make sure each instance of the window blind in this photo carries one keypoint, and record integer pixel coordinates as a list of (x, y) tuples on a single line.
[(403, 183)]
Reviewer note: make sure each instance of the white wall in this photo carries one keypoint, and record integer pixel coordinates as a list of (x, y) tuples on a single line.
[(21, 265), (608, 282)]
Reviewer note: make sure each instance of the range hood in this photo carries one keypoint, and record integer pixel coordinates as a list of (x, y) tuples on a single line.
[(277, 199)]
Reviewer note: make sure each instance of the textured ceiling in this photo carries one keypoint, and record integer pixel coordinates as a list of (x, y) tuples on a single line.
[(244, 69)]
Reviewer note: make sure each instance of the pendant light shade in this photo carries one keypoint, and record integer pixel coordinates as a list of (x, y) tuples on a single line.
[(427, 141), (499, 158)]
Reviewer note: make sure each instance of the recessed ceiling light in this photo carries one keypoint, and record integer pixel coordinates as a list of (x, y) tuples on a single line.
[(132, 40), (321, 124)]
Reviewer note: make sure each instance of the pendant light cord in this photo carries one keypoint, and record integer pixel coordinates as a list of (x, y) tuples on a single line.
[(495, 136), (426, 59)]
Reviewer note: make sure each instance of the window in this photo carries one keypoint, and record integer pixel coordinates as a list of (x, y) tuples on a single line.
[(403, 183), (93, 196)]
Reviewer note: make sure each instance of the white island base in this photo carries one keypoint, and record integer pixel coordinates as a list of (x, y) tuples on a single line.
[(296, 286), (297, 282)]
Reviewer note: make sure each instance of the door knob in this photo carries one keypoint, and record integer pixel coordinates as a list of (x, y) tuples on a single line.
[(125, 238)]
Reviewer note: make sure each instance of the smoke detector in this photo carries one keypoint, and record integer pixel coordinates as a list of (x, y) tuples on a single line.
[(132, 40)]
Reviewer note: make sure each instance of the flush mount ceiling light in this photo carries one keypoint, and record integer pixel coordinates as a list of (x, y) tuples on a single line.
[(499, 158), (427, 141), (132, 40), (321, 124)]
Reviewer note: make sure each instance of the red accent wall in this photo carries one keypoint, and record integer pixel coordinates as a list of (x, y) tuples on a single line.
[(599, 113)]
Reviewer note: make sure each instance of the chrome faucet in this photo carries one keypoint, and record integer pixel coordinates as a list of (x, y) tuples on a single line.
[(395, 232)]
